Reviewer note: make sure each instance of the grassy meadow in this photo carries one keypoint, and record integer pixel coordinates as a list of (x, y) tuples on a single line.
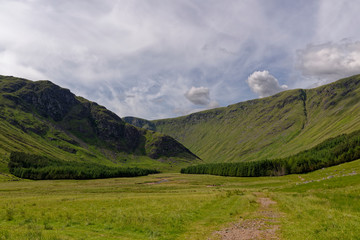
[(324, 204)]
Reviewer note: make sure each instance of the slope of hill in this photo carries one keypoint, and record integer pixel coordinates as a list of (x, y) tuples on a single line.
[(43, 118), (334, 151), (271, 127)]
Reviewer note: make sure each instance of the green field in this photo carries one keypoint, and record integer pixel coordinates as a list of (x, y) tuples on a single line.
[(324, 204)]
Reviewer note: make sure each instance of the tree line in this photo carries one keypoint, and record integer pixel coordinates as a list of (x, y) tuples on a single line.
[(333, 151), (32, 166)]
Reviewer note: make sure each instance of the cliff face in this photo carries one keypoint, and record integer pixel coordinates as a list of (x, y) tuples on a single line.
[(81, 120)]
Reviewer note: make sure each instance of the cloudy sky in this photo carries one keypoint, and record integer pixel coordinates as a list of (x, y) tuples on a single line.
[(158, 58)]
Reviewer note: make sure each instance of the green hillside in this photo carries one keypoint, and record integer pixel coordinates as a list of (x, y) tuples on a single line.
[(271, 127), (45, 119), (334, 151)]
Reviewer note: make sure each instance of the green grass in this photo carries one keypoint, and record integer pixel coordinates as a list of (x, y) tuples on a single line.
[(107, 209), (320, 205), (322, 210)]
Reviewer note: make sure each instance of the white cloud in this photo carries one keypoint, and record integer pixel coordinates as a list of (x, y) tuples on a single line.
[(10, 66), (91, 47), (330, 61), (335, 20), (213, 104), (139, 58), (264, 84), (198, 95)]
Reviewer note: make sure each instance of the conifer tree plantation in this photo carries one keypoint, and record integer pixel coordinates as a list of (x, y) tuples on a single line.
[(37, 167), (344, 148)]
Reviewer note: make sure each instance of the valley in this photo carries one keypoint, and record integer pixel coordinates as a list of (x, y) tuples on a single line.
[(179, 120), (320, 205), (87, 153)]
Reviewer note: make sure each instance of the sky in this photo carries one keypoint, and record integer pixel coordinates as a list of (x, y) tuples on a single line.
[(157, 59)]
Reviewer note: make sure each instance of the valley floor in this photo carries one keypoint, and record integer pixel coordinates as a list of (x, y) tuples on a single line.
[(321, 205)]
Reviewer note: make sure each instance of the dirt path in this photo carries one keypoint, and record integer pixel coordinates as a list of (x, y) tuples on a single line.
[(264, 226), (158, 182)]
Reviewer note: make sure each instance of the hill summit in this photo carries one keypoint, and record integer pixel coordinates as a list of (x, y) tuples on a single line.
[(42, 118)]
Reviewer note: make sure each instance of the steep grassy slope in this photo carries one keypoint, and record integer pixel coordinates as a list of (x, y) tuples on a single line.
[(42, 118), (272, 127), (334, 151)]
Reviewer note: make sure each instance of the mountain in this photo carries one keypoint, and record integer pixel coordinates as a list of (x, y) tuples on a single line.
[(43, 118), (272, 127), (146, 124)]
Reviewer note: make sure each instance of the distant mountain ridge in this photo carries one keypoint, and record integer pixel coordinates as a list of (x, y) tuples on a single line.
[(41, 117), (140, 122), (272, 127)]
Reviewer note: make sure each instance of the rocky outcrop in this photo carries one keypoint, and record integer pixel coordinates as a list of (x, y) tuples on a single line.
[(48, 99), (167, 146), (85, 120), (108, 125)]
